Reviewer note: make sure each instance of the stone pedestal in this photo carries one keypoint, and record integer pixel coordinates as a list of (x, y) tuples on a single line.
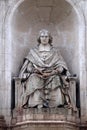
[(44, 119)]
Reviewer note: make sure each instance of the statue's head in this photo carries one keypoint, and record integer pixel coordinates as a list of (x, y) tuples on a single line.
[(45, 37)]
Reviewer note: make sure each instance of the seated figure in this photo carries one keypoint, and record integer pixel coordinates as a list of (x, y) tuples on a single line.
[(45, 76)]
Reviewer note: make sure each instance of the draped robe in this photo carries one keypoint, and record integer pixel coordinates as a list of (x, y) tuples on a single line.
[(39, 90)]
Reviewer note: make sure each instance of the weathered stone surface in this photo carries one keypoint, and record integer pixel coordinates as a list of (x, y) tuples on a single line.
[(72, 22), (45, 125), (3, 125), (44, 114)]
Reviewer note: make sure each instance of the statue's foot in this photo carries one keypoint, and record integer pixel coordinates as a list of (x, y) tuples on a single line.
[(40, 106), (25, 106), (69, 106)]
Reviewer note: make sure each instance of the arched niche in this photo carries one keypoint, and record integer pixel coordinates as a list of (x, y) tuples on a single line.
[(63, 19), (58, 17)]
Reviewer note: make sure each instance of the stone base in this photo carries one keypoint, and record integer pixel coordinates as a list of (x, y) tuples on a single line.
[(53, 114), (44, 119)]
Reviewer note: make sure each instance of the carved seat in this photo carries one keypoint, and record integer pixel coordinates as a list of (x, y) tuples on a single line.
[(45, 114), (19, 89)]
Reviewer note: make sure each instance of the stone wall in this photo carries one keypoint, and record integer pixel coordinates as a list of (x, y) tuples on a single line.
[(5, 87)]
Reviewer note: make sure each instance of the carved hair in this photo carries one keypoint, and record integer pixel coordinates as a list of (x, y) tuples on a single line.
[(45, 31)]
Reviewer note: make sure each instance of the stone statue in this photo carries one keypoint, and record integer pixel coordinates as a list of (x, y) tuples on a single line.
[(44, 76)]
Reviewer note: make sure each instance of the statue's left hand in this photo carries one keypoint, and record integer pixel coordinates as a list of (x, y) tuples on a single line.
[(59, 69), (46, 74)]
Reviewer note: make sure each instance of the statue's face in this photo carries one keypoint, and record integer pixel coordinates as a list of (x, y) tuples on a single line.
[(44, 37)]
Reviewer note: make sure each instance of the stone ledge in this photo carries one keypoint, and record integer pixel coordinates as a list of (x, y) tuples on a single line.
[(45, 125)]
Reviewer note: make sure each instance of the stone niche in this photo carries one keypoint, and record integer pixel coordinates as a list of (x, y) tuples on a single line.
[(60, 18)]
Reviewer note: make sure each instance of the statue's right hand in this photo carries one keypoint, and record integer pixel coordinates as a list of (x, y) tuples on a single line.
[(25, 75)]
